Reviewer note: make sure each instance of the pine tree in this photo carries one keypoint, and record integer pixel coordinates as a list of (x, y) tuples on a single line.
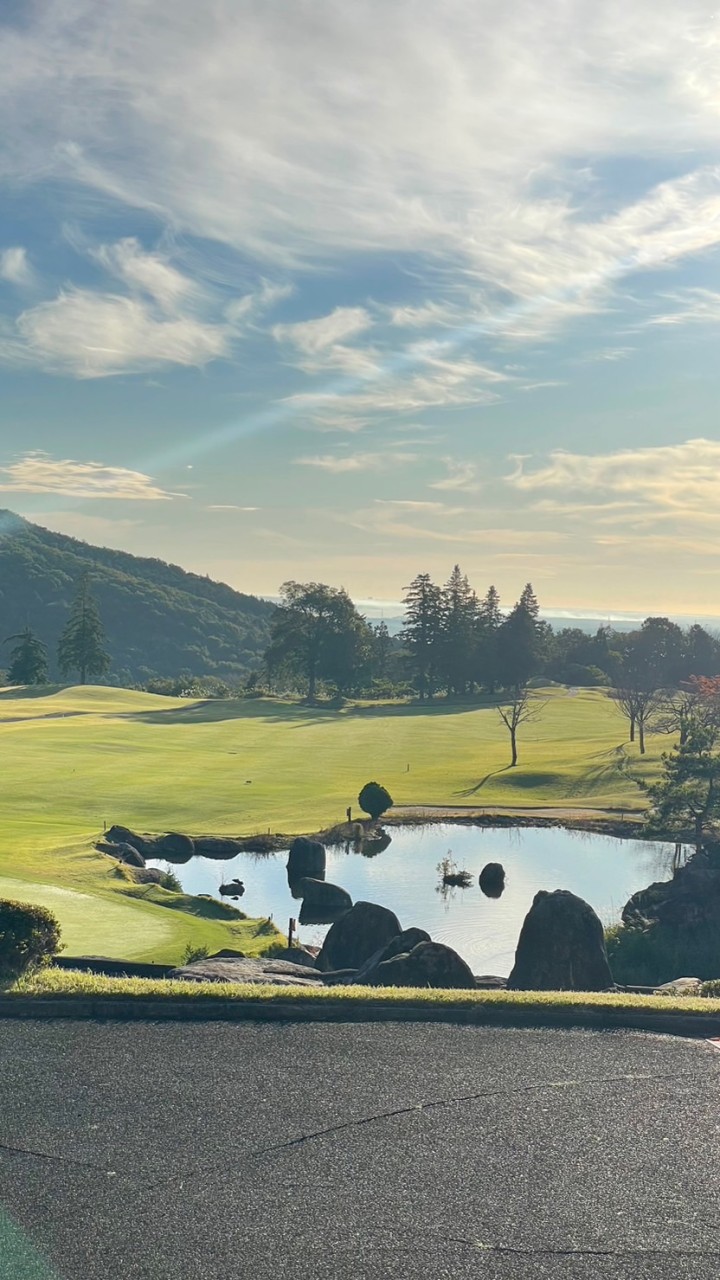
[(521, 641), (488, 622), (459, 624), (81, 643), (422, 632), (28, 660)]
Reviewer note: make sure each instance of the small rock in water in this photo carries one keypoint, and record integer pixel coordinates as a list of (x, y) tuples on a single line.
[(492, 879)]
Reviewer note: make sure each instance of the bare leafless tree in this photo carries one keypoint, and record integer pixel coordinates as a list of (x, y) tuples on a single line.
[(638, 705), (521, 707)]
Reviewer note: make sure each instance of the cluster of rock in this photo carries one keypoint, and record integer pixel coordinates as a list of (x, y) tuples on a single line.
[(690, 901), (365, 945)]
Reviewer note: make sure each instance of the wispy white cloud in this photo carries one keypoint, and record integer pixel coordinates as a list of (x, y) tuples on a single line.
[(424, 145), (15, 266), (313, 336), (636, 488), (165, 318), (692, 306), (149, 273), (94, 335), (39, 473), (461, 477), (228, 506), (337, 463)]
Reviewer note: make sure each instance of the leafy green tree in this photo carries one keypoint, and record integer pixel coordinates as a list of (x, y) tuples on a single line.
[(28, 659), (81, 647), (316, 634), (422, 631)]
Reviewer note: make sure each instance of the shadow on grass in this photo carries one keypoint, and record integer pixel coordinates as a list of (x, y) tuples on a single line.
[(472, 791), (12, 692), (216, 710)]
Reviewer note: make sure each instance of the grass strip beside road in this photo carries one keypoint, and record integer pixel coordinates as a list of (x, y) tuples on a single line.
[(70, 982)]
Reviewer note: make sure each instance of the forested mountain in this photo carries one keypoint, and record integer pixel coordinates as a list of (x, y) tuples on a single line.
[(158, 619)]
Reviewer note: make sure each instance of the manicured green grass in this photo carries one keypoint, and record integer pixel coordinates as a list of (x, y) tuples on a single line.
[(76, 759), (72, 982)]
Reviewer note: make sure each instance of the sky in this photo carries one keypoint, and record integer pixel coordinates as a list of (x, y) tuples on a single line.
[(346, 290)]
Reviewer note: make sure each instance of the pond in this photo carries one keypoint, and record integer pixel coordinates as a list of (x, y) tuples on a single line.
[(601, 869)]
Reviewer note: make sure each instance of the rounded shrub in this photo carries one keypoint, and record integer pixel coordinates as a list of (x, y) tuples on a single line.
[(29, 938), (374, 799)]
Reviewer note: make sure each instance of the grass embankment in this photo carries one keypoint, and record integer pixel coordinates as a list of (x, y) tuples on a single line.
[(66, 982), (75, 759)]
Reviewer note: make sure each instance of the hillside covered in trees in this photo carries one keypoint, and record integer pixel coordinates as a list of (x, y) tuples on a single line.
[(158, 619)]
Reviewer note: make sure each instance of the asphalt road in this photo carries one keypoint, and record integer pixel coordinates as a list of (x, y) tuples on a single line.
[(370, 1151)]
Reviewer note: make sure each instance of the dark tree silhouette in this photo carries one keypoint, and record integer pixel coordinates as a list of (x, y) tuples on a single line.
[(82, 643), (28, 660)]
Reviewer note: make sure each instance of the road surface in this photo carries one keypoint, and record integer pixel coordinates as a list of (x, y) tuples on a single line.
[(365, 1151)]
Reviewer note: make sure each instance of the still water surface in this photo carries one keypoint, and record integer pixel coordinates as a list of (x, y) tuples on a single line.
[(602, 870)]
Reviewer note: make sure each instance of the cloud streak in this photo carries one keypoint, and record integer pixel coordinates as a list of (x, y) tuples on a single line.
[(39, 473)]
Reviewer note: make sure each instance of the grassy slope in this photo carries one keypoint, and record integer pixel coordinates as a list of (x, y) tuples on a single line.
[(77, 758)]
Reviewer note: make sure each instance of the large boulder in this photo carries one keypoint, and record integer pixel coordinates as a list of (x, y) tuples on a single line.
[(357, 935), (401, 944), (429, 964), (686, 903), (129, 855), (306, 858), (561, 947), (323, 896)]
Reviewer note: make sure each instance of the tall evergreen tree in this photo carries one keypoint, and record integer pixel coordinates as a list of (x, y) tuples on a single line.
[(81, 645), (381, 646), (422, 631), (521, 641), (28, 660), (487, 625), (459, 632)]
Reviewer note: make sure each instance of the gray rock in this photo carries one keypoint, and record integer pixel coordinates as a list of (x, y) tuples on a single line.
[(561, 947), (149, 875), (319, 894), (429, 964), (233, 889), (681, 986), (129, 855), (401, 944), (306, 858), (237, 969), (357, 935)]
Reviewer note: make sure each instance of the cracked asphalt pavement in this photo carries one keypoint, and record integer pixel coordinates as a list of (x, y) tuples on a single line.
[(372, 1151)]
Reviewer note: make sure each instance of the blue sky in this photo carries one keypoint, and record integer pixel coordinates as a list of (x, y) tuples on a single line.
[(353, 291)]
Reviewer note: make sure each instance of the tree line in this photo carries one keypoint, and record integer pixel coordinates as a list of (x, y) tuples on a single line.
[(80, 651), (457, 643)]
